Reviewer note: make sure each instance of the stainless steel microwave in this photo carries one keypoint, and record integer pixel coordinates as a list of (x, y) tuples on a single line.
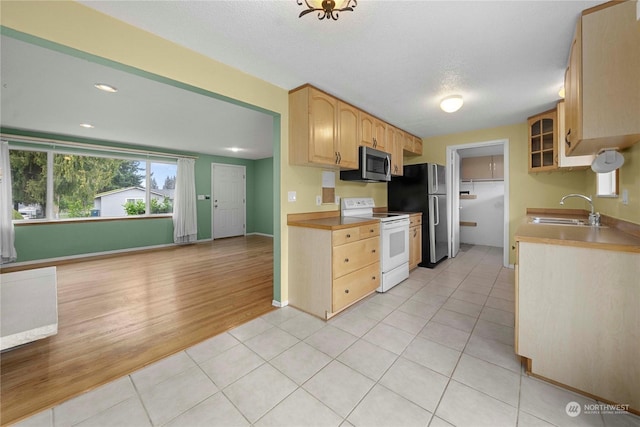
[(374, 166)]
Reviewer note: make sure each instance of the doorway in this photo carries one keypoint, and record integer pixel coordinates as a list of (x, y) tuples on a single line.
[(453, 189), (228, 201)]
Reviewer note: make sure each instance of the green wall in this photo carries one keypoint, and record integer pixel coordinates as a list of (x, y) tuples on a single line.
[(61, 239), (263, 218)]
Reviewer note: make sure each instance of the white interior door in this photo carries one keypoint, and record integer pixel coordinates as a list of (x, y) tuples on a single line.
[(228, 201), (454, 197)]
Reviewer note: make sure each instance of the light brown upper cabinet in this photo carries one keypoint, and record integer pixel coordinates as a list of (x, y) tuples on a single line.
[(484, 168), (395, 138), (564, 161), (348, 136), (412, 145), (602, 81), (417, 146), (373, 132), (326, 131), (542, 142), (323, 130)]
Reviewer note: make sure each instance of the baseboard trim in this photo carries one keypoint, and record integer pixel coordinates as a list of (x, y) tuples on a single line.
[(279, 304), (260, 234), (49, 262)]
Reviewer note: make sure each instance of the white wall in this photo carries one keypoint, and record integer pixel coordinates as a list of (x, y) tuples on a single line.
[(487, 210)]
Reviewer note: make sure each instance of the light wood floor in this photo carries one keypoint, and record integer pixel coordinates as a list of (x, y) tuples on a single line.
[(119, 314)]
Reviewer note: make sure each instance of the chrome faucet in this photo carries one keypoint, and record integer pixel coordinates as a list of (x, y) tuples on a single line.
[(594, 217)]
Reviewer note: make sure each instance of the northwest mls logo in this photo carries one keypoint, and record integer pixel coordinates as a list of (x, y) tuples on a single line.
[(573, 409)]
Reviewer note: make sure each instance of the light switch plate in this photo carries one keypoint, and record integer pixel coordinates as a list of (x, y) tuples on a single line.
[(318, 200), (291, 196), (625, 197), (200, 196)]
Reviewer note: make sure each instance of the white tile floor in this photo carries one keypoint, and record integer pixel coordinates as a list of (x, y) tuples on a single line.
[(436, 350)]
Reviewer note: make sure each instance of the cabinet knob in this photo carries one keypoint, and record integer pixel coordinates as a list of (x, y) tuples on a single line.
[(371, 231), (348, 236), (373, 277), (373, 251), (346, 260), (346, 291)]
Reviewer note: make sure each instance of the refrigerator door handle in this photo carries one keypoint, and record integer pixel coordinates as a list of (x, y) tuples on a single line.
[(436, 209), (436, 184)]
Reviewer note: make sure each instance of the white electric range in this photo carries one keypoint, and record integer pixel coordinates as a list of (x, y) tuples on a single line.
[(394, 239)]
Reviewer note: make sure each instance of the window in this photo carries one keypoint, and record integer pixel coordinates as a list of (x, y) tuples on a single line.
[(29, 183), (52, 184)]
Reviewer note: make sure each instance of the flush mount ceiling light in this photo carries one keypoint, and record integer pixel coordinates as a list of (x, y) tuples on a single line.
[(327, 8), (234, 149), (105, 87), (87, 125), (561, 92), (451, 104)]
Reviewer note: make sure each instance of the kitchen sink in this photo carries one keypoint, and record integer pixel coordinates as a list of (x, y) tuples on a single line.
[(558, 221)]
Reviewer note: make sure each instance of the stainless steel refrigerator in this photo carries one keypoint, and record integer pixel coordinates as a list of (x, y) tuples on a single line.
[(423, 189)]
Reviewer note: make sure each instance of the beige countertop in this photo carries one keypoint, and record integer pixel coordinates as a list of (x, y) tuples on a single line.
[(331, 220), (606, 237), (332, 223)]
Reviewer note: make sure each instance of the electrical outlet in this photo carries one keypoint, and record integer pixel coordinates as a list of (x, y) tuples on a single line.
[(318, 200), (337, 200), (291, 196)]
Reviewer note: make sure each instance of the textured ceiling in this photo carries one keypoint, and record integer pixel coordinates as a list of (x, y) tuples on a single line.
[(143, 111), (394, 59)]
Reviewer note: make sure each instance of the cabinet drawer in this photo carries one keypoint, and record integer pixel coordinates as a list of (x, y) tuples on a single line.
[(354, 256), (346, 235), (415, 220), (367, 231), (354, 286)]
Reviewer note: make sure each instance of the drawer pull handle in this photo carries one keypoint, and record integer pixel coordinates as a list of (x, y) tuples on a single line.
[(371, 231), (348, 236), (373, 251), (346, 260), (346, 291)]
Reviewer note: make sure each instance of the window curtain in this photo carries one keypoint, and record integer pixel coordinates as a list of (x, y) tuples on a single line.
[(185, 224), (7, 234)]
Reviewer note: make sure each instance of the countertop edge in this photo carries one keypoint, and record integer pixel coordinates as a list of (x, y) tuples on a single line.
[(614, 239)]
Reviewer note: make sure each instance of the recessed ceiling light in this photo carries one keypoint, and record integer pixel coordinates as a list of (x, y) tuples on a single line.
[(87, 125), (105, 87), (451, 104)]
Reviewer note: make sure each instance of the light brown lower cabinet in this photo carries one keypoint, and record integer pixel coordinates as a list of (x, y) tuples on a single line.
[(577, 318), (329, 270)]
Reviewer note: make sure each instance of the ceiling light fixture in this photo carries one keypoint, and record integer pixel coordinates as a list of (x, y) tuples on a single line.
[(87, 125), (451, 104), (235, 149), (327, 8), (105, 87), (561, 92)]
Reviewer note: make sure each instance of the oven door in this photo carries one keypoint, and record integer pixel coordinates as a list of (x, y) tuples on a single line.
[(394, 244)]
